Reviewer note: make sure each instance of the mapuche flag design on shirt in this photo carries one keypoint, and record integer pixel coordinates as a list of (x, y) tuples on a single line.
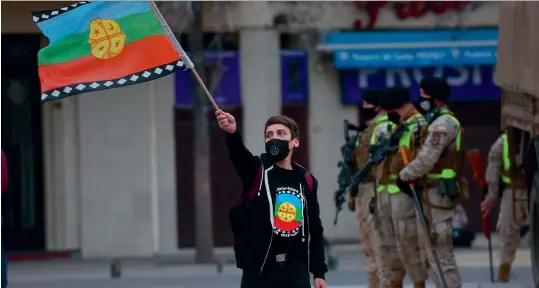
[(102, 45), (288, 213)]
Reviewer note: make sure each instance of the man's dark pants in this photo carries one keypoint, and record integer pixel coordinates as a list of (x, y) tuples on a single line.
[(282, 275)]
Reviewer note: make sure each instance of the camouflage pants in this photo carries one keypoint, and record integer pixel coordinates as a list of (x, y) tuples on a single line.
[(508, 227), (441, 226), (396, 240), (365, 222)]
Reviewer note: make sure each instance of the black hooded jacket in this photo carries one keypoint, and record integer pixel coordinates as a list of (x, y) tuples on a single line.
[(251, 218)]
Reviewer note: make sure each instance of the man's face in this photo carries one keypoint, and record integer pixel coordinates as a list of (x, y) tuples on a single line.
[(423, 94), (367, 105), (281, 132)]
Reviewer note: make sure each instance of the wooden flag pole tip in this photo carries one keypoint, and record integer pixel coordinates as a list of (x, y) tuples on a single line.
[(204, 88)]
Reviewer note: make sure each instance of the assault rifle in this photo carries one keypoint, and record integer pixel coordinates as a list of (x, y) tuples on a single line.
[(380, 151), (347, 165)]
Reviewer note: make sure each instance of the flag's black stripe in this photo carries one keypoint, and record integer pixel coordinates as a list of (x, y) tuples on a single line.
[(131, 79), (41, 16)]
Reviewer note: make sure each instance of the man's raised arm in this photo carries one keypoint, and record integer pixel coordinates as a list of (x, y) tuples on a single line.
[(244, 162)]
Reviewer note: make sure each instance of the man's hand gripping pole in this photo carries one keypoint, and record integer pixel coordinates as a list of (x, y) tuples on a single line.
[(474, 157), (406, 158)]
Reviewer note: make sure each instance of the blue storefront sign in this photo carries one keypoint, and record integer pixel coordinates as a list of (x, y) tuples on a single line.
[(468, 83), (374, 49), (294, 76), (222, 71), (416, 57), (374, 59)]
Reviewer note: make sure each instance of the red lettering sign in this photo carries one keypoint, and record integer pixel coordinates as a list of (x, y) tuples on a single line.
[(405, 10)]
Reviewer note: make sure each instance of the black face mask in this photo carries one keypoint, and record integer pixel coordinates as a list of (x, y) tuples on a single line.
[(367, 114), (425, 105), (277, 149), (394, 117)]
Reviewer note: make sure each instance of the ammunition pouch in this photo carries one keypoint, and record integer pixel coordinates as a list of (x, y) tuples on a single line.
[(455, 189), (519, 203), (449, 188), (520, 207)]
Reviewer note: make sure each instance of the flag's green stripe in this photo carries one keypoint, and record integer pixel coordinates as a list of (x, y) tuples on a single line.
[(299, 214), (135, 27)]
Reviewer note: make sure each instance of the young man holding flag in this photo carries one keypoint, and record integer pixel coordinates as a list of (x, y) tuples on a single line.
[(277, 228)]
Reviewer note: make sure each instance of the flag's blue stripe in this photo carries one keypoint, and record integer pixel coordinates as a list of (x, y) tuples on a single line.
[(78, 20)]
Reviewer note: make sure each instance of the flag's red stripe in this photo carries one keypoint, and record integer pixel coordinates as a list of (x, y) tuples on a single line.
[(286, 226), (138, 56)]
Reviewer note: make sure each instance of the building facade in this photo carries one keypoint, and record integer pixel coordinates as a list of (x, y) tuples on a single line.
[(105, 186)]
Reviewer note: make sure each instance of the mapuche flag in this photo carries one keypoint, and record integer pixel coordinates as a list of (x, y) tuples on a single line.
[(103, 45)]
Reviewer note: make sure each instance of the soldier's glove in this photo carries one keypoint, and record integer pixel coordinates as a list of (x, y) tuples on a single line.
[(404, 186)]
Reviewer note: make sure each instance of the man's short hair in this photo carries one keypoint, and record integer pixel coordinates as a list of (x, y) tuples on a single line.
[(285, 121)]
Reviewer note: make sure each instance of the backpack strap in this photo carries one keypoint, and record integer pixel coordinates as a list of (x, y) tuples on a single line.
[(310, 181), (255, 187), (308, 177)]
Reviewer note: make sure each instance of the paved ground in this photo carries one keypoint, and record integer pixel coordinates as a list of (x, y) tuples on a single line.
[(148, 273)]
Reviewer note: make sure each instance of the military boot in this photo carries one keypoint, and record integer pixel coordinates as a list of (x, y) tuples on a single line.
[(419, 285), (503, 273), (395, 284)]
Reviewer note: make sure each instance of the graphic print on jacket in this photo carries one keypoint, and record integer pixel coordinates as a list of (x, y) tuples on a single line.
[(288, 212)]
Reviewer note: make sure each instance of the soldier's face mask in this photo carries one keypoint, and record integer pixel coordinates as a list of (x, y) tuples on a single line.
[(394, 117), (367, 114), (425, 105)]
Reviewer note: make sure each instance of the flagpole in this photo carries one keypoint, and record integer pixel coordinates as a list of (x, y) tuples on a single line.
[(154, 181), (188, 63), (202, 173)]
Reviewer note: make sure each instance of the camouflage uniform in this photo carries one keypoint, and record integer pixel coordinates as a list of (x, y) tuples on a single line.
[(441, 138), (513, 206), (365, 222), (396, 239), (363, 199)]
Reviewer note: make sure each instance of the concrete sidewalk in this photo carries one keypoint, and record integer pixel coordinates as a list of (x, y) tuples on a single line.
[(349, 257)]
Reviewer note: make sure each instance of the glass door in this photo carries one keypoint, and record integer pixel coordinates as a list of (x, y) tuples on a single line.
[(23, 217)]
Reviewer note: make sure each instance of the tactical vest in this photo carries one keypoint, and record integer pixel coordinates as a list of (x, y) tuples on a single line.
[(394, 163), (364, 143), (511, 177), (449, 166)]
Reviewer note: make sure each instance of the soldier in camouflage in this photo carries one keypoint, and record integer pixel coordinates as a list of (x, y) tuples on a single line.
[(373, 117), (439, 161), (396, 236), (502, 164)]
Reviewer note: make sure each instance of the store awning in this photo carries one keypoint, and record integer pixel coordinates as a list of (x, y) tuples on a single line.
[(388, 49)]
